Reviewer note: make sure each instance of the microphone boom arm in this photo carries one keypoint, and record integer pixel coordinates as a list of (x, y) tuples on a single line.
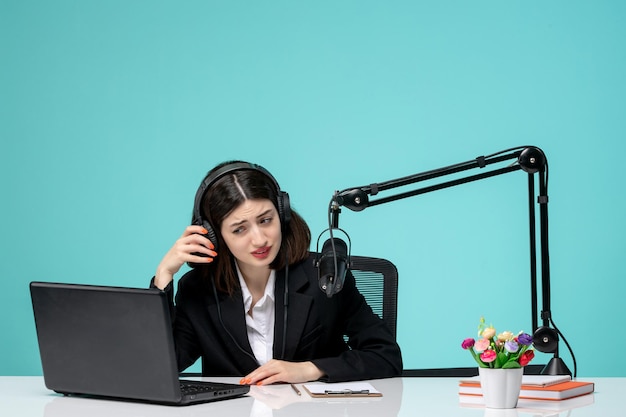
[(357, 198), (529, 159)]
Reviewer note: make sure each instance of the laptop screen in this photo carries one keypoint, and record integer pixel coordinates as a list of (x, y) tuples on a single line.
[(106, 341)]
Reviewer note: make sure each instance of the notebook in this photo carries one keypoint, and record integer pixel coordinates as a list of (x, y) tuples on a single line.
[(114, 342)]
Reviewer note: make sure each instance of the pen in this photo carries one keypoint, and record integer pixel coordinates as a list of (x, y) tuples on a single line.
[(296, 389)]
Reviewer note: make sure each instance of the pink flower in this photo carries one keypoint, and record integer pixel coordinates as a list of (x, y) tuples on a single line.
[(468, 343), (488, 356), (526, 357), (504, 350), (481, 345)]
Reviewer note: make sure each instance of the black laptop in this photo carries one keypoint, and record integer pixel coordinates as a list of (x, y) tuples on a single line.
[(114, 342)]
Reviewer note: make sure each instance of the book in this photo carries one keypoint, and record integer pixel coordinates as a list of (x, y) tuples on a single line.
[(555, 391), (534, 380), (534, 406), (544, 380)]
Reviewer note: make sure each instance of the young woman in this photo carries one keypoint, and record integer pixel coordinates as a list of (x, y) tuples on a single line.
[(251, 305)]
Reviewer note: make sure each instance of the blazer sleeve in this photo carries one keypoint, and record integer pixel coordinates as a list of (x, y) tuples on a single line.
[(373, 351), (187, 346)]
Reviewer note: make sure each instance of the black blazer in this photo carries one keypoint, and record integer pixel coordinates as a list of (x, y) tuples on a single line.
[(216, 329)]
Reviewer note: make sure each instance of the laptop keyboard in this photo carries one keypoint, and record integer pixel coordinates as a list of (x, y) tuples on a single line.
[(198, 387)]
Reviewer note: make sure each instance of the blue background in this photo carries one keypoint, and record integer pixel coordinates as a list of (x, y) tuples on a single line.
[(112, 112)]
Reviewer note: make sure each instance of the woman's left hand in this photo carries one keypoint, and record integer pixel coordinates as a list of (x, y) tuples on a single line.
[(282, 371)]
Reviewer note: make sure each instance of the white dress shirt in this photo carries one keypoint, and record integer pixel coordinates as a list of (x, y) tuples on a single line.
[(260, 319)]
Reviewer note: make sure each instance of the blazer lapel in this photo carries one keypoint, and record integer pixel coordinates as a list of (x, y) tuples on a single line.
[(297, 312), (234, 323)]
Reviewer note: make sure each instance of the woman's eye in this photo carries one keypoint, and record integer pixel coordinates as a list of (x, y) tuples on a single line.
[(238, 230), (266, 220)]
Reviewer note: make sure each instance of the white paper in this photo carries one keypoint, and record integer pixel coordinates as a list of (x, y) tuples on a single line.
[(321, 388)]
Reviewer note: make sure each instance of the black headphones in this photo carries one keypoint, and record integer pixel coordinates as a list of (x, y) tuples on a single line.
[(284, 213), (284, 209)]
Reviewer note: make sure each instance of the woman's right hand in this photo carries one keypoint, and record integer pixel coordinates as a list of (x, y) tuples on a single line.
[(187, 248)]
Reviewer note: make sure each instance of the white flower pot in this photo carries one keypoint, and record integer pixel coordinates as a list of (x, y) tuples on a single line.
[(501, 387)]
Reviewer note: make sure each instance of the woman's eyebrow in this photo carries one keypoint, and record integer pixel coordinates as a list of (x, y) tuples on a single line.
[(239, 223), (265, 213)]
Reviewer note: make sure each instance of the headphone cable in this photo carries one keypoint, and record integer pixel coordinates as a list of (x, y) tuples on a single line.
[(285, 303), (219, 316)]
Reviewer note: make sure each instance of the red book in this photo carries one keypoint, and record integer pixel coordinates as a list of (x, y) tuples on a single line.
[(558, 391)]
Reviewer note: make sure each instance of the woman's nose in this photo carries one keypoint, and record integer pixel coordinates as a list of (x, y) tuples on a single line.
[(258, 237)]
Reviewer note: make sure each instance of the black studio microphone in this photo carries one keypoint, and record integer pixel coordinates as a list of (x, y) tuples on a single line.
[(333, 265)]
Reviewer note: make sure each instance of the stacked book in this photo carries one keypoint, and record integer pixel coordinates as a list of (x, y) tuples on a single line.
[(536, 389)]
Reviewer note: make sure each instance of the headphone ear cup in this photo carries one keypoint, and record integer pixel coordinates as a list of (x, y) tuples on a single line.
[(284, 209), (210, 234), (546, 339)]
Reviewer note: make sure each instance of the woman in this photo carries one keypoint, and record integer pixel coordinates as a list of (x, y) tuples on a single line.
[(251, 305)]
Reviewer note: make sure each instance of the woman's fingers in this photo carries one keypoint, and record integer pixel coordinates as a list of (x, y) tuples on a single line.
[(192, 247), (282, 371)]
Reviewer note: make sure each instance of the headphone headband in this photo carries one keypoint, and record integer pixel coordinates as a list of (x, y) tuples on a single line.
[(284, 210)]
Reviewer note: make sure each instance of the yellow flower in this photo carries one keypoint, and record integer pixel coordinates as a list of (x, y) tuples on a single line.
[(506, 336), (489, 332)]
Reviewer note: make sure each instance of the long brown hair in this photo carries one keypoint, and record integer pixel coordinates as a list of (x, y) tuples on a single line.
[(229, 192)]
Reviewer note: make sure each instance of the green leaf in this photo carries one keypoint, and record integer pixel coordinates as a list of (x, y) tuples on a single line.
[(501, 359), (511, 365)]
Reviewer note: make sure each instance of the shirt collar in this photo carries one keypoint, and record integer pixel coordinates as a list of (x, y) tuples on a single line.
[(245, 292)]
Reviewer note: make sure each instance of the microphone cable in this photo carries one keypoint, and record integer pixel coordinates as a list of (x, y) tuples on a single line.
[(569, 348), (330, 232), (517, 148)]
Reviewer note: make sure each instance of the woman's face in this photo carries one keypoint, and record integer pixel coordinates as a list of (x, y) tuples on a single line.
[(252, 233)]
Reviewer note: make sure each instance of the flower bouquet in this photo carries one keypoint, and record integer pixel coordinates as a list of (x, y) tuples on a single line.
[(505, 350)]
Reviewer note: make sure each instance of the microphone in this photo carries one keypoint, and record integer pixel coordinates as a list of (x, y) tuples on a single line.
[(332, 266)]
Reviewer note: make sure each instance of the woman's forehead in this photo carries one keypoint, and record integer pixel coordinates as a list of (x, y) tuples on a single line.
[(249, 210)]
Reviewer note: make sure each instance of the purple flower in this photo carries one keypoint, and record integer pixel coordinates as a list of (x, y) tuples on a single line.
[(525, 339), (511, 346), (504, 351)]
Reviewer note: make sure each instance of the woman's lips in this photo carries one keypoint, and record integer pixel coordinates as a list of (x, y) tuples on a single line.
[(261, 253)]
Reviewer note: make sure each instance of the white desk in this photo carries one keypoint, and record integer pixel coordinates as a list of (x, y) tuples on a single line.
[(28, 397)]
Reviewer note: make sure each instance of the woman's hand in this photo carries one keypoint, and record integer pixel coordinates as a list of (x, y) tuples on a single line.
[(282, 371), (188, 248)]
